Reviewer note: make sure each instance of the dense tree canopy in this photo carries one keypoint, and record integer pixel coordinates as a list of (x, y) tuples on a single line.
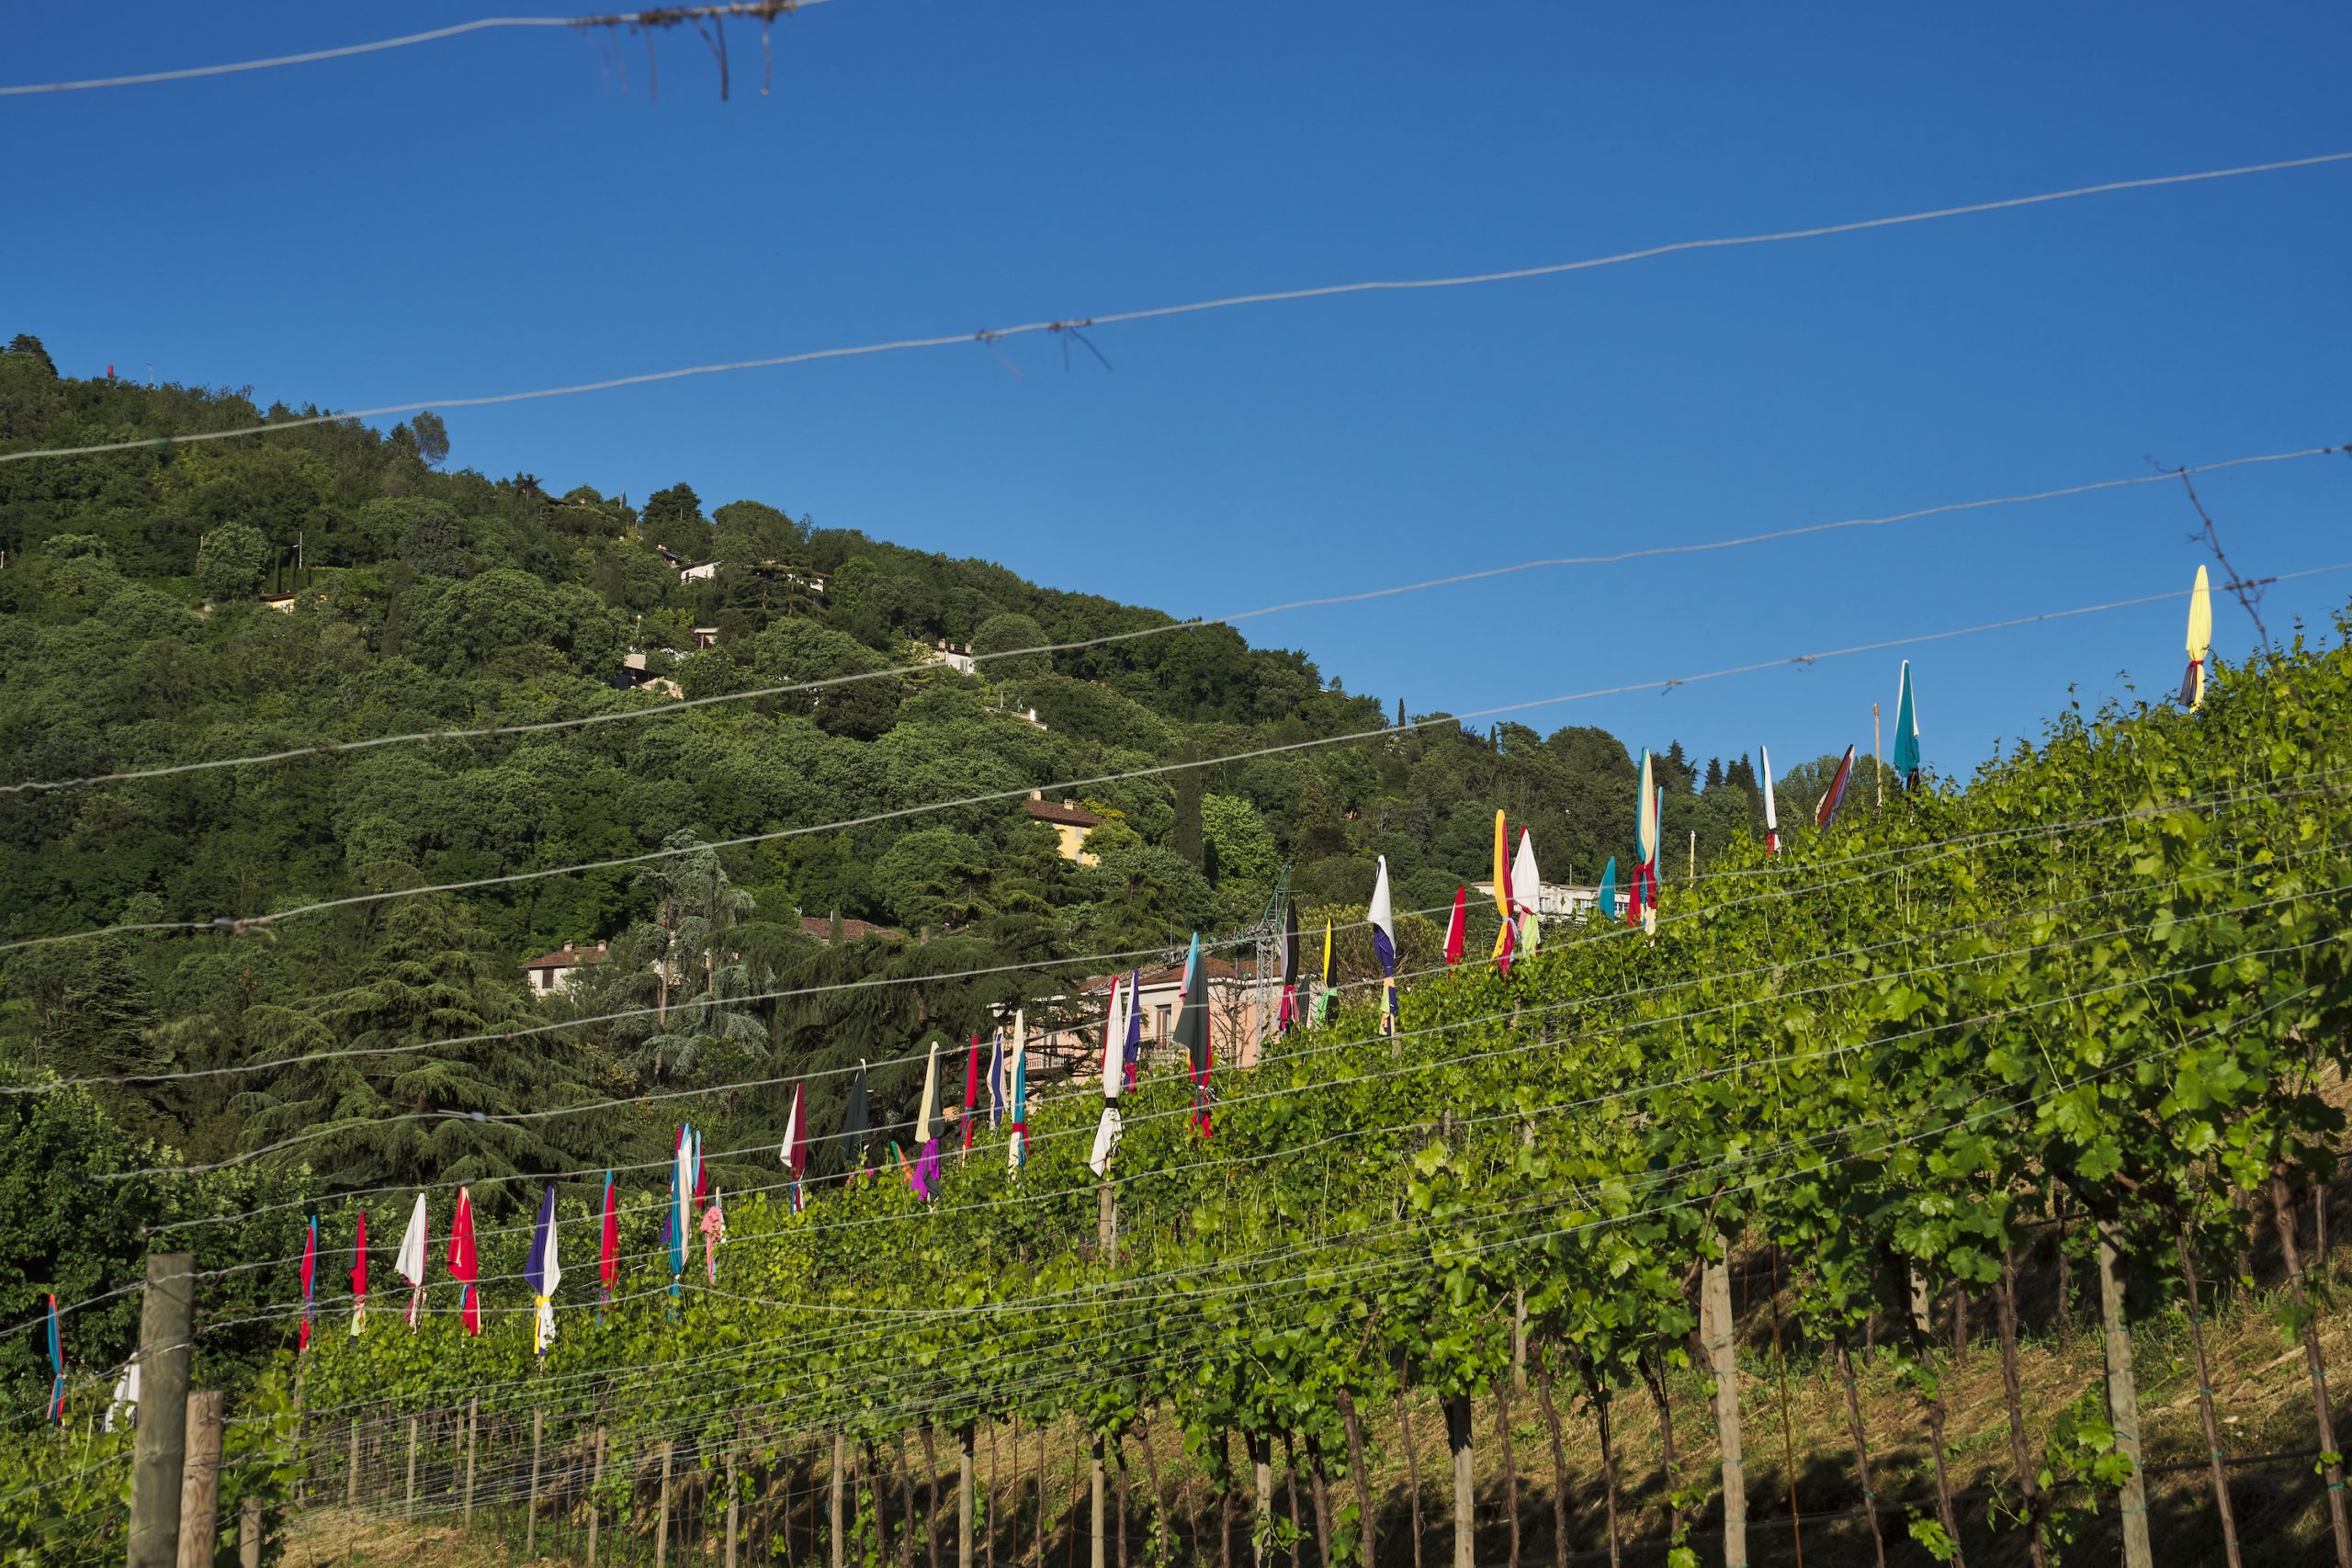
[(433, 599)]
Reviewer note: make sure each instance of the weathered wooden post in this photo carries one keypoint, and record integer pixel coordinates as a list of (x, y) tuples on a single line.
[(473, 1423), (531, 1512), (159, 1448), (661, 1519), (1719, 1328), (2122, 1398), (731, 1508), (1101, 1525), (833, 1513), (200, 1481), (595, 1509)]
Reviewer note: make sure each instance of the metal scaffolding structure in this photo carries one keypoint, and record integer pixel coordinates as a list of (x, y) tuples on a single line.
[(1266, 969)]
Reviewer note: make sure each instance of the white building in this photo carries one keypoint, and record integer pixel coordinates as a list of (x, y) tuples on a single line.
[(942, 651), (1554, 900), (553, 972)]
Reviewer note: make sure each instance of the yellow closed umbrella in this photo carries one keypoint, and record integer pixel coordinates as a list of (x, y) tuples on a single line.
[(2201, 641)]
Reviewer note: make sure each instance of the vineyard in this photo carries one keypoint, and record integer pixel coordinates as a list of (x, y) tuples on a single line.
[(1962, 1148), (790, 784)]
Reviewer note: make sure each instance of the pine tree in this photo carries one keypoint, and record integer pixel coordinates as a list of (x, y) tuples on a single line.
[(401, 1116), (1676, 773)]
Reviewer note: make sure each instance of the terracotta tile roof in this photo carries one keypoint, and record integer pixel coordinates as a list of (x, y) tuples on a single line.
[(1160, 976), (569, 956), (1064, 812)]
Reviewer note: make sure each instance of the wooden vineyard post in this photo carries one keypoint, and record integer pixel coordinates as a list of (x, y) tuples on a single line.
[(1262, 1486), (963, 1495), (662, 1516), (531, 1509), (409, 1508), (734, 1509), (160, 1447), (249, 1534), (595, 1509), (351, 1465), (1100, 1538), (1465, 1515), (2122, 1399), (473, 1415), (1720, 1331), (833, 1513), (1878, 769), (200, 1481)]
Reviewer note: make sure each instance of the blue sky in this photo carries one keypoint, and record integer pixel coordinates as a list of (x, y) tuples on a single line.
[(500, 211)]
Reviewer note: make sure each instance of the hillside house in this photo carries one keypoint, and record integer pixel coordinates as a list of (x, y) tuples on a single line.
[(1070, 822), (942, 651), (553, 972), (790, 576), (633, 676), (1233, 1008), (699, 571), (1554, 900), (1074, 1052)]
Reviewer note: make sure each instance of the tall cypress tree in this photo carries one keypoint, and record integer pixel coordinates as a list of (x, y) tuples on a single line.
[(1184, 838)]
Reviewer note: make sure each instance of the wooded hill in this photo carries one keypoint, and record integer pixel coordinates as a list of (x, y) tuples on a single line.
[(2065, 1047), (136, 634)]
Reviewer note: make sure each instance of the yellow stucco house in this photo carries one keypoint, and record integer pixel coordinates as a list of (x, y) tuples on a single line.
[(1070, 822)]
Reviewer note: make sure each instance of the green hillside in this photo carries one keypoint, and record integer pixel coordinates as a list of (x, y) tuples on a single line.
[(2052, 1046), (138, 632)]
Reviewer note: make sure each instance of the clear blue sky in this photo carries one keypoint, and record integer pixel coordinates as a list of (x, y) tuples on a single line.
[(499, 211)]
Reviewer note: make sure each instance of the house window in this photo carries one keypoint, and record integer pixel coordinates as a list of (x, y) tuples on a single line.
[(1160, 1024)]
